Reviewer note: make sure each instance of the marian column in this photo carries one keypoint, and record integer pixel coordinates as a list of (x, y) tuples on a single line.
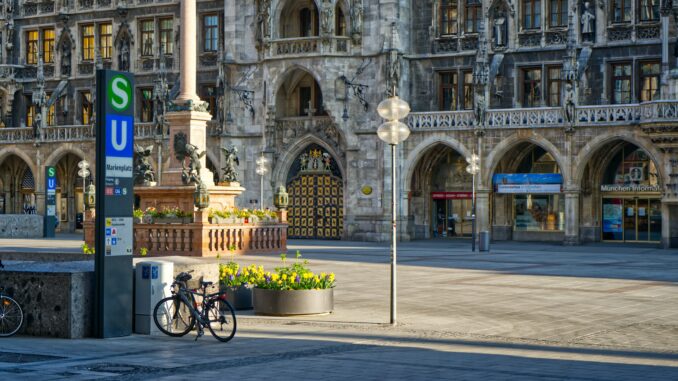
[(188, 117)]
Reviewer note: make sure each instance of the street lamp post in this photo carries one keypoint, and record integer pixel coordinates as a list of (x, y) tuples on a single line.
[(83, 172), (473, 168), (393, 132), (261, 171)]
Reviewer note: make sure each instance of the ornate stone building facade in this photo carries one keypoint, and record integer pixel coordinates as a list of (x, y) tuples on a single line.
[(570, 105)]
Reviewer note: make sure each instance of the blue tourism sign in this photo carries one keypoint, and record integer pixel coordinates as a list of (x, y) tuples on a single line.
[(527, 178)]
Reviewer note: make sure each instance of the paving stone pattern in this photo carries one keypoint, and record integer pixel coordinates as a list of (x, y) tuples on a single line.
[(521, 312)]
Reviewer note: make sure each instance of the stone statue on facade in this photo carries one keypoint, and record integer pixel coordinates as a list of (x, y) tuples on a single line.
[(326, 17), (479, 108), (356, 20), (10, 33), (500, 30), (66, 57), (587, 23), (143, 170), (303, 162), (569, 103), (182, 149), (231, 163), (123, 55), (263, 20)]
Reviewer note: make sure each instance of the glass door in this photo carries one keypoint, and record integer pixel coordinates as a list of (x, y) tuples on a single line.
[(630, 220), (655, 220), (643, 220)]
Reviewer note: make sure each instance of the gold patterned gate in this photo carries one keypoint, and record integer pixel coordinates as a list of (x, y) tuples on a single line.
[(316, 205)]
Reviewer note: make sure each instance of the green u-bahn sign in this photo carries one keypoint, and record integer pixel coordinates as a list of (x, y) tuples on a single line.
[(115, 202)]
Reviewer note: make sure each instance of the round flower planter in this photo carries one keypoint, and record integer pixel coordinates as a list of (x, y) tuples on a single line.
[(293, 302), (240, 297)]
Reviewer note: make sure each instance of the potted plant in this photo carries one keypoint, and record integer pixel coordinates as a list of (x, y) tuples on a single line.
[(293, 289), (237, 283)]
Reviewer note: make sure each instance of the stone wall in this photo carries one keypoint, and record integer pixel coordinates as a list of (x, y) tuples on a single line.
[(21, 226), (57, 298)]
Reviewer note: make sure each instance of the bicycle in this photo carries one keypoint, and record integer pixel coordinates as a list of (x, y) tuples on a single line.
[(177, 315), (11, 314)]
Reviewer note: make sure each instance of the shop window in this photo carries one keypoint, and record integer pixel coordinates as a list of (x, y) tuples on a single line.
[(147, 37), (51, 114), (531, 87), (448, 91), (473, 14), (539, 212), (48, 45), (650, 74), (468, 90), (210, 33), (554, 86), (448, 17), (87, 42), (531, 14), (632, 166), (558, 13), (106, 41), (166, 36), (32, 47), (621, 11), (146, 105), (648, 10), (621, 83)]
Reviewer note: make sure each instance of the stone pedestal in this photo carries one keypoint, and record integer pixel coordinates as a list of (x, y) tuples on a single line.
[(193, 124), (571, 219), (160, 197)]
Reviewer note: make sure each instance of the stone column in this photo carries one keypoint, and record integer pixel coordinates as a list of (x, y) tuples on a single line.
[(669, 225), (188, 45), (571, 218)]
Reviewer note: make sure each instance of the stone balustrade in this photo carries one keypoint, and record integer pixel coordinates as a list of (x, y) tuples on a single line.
[(200, 239), (309, 45), (66, 133), (549, 117)]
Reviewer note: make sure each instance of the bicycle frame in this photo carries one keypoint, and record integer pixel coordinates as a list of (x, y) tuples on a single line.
[(192, 304)]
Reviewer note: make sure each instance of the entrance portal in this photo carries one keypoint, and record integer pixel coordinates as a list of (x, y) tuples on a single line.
[(316, 197)]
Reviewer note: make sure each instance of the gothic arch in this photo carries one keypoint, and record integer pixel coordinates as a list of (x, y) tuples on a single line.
[(60, 152), (285, 161), (283, 77), (594, 146), (492, 160), (422, 149), (7, 152), (280, 7)]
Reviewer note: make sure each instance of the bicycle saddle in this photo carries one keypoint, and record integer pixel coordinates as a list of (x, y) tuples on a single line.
[(184, 277), (205, 284)]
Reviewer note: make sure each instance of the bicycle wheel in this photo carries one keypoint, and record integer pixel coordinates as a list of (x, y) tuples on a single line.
[(173, 317), (11, 316), (222, 321)]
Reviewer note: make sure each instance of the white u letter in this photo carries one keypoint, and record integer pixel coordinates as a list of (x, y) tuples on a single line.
[(119, 146)]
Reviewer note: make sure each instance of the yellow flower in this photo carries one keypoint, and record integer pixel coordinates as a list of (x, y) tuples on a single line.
[(322, 275), (279, 283), (316, 279), (284, 277), (274, 277), (331, 277)]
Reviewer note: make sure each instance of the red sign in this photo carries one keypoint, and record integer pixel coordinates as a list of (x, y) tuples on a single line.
[(451, 195)]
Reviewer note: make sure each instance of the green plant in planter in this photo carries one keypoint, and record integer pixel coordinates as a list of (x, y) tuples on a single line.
[(295, 276), (232, 275), (138, 213), (143, 251)]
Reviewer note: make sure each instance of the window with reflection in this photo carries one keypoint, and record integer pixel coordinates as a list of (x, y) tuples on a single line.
[(558, 13), (48, 45), (554, 85), (146, 105), (32, 47), (621, 83), (650, 74), (532, 87), (211, 33), (468, 90), (473, 12), (448, 17), (106, 41), (87, 42), (448, 91), (531, 14), (621, 11), (648, 10)]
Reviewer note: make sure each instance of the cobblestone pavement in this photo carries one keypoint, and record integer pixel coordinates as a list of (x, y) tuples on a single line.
[(520, 312)]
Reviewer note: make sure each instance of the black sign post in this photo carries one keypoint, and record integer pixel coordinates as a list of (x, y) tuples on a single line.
[(114, 204), (49, 225)]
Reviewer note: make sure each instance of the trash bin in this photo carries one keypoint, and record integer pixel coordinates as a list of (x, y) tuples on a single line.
[(152, 282), (484, 241)]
